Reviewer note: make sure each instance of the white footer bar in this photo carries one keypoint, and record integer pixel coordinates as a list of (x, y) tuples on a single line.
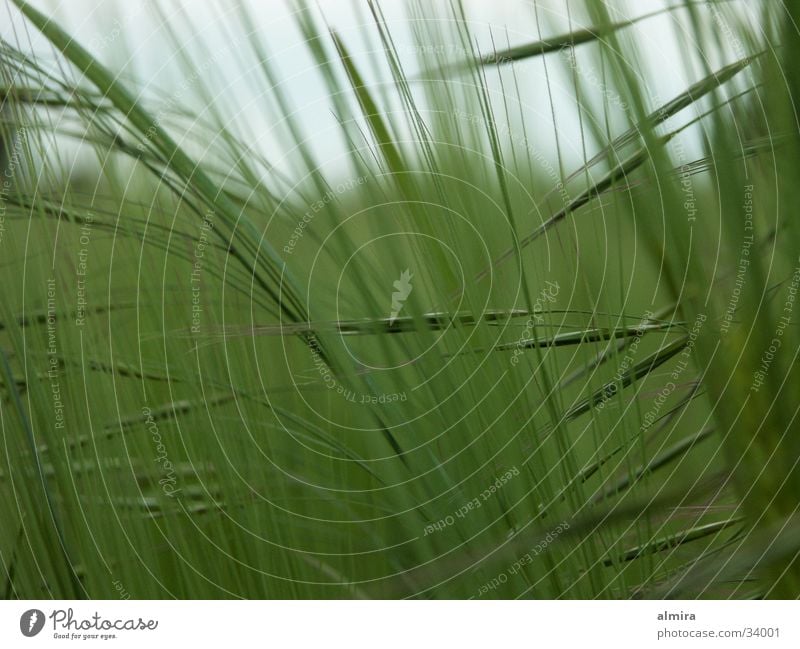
[(404, 625)]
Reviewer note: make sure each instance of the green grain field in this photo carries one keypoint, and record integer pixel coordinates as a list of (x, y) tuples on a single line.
[(438, 344)]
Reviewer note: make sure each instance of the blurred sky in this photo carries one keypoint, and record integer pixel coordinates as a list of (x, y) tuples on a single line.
[(131, 36)]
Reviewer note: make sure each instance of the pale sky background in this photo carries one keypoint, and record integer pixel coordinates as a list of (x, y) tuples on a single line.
[(138, 50)]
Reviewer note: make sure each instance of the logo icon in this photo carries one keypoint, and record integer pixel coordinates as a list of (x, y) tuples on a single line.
[(400, 295), (31, 622)]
